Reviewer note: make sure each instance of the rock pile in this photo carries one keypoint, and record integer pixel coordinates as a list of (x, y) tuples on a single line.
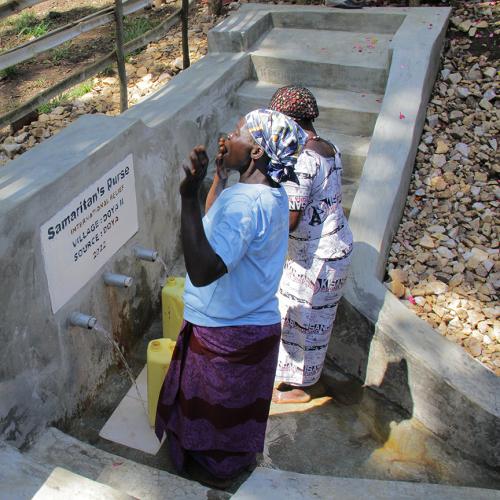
[(147, 71), (444, 260)]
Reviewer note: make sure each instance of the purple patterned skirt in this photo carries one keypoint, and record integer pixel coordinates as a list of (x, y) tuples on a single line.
[(215, 399)]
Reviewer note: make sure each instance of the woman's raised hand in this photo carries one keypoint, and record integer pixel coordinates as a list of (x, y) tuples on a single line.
[(195, 173), (221, 170)]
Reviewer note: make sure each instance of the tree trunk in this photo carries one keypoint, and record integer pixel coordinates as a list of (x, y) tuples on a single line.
[(185, 44)]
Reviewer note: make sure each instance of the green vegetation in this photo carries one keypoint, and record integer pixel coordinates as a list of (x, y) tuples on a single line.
[(27, 24), (74, 93), (24, 20), (40, 82), (136, 27), (47, 107), (10, 71), (79, 90), (59, 53)]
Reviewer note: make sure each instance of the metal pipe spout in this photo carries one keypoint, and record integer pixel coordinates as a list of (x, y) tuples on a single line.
[(118, 280), (82, 320), (145, 254)]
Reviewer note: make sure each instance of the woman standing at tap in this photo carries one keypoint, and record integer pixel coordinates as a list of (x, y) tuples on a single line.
[(319, 253), (215, 400)]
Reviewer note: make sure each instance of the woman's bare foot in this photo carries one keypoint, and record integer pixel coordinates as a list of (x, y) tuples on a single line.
[(285, 393)]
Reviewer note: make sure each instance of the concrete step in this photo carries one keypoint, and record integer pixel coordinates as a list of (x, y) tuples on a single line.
[(368, 20), (349, 188), (20, 476), (352, 148), (283, 485), (321, 58), (353, 113), (56, 449), (63, 484)]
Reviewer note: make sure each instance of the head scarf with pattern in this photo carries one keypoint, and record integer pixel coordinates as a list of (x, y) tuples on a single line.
[(296, 102), (281, 138)]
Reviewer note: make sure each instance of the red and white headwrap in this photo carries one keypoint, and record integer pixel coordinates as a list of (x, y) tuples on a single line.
[(295, 102)]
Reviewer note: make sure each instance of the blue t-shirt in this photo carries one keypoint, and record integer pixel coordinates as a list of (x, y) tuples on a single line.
[(247, 226)]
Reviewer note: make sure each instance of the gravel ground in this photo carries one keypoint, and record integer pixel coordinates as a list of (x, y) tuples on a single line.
[(444, 261)]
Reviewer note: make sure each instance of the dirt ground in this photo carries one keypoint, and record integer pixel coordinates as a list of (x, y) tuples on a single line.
[(31, 77), (35, 75)]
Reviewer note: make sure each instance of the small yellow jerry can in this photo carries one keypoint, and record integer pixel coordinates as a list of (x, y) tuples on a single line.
[(158, 360)]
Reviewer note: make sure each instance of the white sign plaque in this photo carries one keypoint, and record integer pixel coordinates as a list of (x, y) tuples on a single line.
[(83, 235)]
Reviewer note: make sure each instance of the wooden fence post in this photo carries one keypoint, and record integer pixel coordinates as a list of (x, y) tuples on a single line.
[(120, 55), (185, 43), (152, 35)]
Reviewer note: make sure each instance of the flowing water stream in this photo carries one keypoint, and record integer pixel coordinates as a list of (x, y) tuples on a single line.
[(166, 270), (116, 347)]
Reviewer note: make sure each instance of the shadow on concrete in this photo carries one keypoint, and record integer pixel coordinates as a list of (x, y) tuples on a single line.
[(356, 432), (336, 434)]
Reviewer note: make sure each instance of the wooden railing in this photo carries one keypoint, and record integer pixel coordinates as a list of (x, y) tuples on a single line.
[(65, 33)]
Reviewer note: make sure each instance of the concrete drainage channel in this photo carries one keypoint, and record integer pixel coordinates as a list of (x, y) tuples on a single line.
[(428, 412)]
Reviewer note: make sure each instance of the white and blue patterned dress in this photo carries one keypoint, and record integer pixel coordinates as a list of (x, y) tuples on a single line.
[(316, 269)]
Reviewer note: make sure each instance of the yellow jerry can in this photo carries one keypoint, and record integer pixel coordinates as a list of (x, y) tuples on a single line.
[(172, 306), (158, 360)]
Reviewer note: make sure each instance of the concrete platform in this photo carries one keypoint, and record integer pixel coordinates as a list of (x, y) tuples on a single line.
[(56, 449), (20, 476), (351, 432), (282, 485), (63, 484)]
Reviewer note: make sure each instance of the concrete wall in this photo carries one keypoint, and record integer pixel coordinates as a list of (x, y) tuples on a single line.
[(46, 367)]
